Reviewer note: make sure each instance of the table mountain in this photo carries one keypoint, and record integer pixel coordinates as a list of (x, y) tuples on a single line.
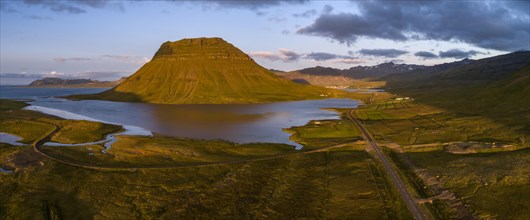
[(206, 70)]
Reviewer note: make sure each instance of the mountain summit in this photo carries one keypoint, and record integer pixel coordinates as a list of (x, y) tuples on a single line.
[(206, 70)]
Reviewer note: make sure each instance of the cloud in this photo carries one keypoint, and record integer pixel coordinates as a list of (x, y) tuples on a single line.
[(53, 74), (426, 55), (56, 6), (305, 14), (277, 20), (264, 54), (283, 54), (327, 9), (64, 59), (35, 17), (6, 7), (101, 75), (81, 6), (74, 6), (96, 75), (20, 75), (391, 53), (252, 5), (499, 25), (349, 61), (126, 58), (256, 6), (322, 56), (458, 54), (286, 55), (394, 61)]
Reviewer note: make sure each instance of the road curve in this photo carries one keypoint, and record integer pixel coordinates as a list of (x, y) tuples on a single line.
[(415, 210)]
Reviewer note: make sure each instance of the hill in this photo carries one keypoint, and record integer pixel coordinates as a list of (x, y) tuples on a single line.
[(206, 70), (53, 82), (464, 72), (330, 80), (496, 88)]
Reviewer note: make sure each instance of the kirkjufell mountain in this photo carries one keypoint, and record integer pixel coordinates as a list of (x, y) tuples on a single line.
[(206, 70)]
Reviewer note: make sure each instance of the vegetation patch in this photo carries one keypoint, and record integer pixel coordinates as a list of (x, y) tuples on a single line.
[(72, 132), (332, 185)]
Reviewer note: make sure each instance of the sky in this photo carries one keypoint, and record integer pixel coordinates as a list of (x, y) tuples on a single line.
[(106, 40)]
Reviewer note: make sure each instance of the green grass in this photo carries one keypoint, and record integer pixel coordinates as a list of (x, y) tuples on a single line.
[(72, 131), (327, 129), (325, 132), (32, 126), (7, 105), (483, 180), (143, 151), (30, 131), (411, 123), (480, 179), (333, 185)]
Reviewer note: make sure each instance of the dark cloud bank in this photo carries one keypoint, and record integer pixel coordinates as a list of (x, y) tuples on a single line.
[(453, 53), (426, 55), (499, 25), (390, 53), (458, 54), (322, 56)]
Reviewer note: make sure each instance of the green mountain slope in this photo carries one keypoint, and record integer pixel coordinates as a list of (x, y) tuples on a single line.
[(513, 93), (494, 88), (206, 70), (459, 73)]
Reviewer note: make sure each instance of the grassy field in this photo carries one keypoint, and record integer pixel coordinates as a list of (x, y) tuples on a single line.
[(159, 151), (336, 184), (333, 184), (325, 132), (412, 123), (72, 131), (476, 160), (31, 126), (480, 180)]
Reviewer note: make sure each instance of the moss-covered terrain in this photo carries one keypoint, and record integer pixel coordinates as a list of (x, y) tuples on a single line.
[(207, 71), (166, 178), (32, 126), (462, 148)]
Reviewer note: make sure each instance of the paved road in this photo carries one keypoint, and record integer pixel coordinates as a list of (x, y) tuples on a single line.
[(413, 207)]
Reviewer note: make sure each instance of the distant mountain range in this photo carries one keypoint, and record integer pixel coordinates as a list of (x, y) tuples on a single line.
[(461, 72), (363, 72), (358, 76), (405, 75), (206, 71), (53, 82)]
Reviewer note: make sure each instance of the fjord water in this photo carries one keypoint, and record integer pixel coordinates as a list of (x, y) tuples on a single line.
[(242, 123)]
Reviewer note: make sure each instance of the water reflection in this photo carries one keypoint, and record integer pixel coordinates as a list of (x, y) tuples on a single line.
[(241, 123), (238, 123)]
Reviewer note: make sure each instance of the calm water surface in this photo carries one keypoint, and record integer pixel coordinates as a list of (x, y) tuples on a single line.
[(10, 139), (240, 123)]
